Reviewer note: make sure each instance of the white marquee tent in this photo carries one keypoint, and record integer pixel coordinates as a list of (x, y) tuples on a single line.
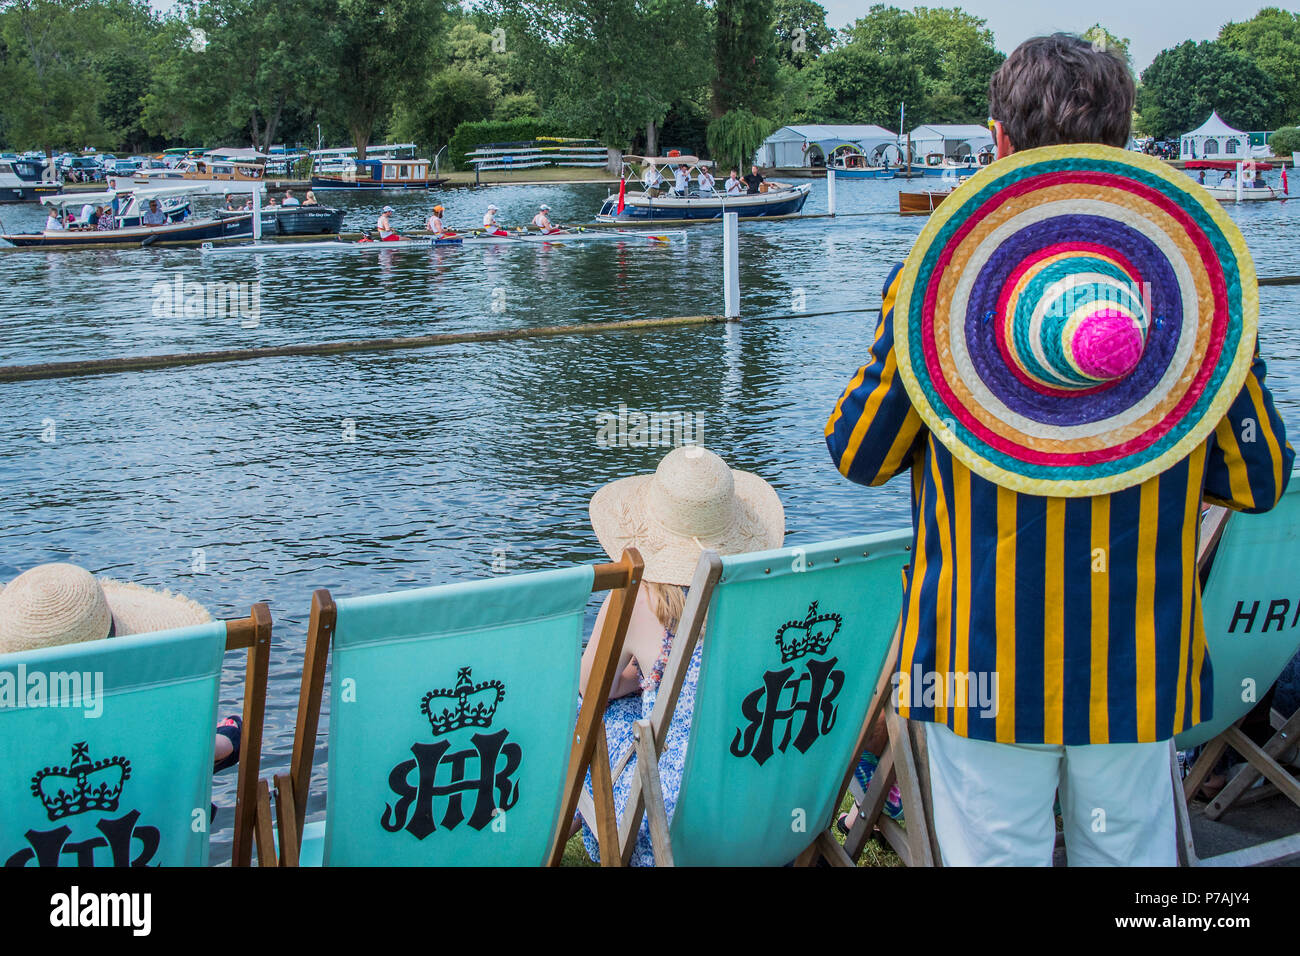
[(1215, 139), (802, 147)]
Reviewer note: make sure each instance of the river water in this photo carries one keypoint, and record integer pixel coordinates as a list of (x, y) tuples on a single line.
[(264, 480)]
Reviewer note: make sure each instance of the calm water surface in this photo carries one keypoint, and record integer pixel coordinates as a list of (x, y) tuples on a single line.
[(262, 481)]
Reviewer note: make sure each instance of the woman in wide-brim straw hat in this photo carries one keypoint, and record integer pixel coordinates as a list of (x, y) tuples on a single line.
[(55, 604), (692, 503)]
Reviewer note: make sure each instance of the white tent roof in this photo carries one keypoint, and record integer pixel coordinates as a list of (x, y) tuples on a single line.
[(823, 133), (1214, 126), (966, 131)]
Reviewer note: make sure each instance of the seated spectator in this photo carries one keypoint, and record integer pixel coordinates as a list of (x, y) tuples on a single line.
[(153, 216), (55, 604), (692, 502)]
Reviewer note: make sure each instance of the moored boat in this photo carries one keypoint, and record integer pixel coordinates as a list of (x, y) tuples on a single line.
[(849, 165), (941, 166), (1253, 187), (294, 220), (922, 203), (381, 174), (22, 179), (664, 203), (215, 177)]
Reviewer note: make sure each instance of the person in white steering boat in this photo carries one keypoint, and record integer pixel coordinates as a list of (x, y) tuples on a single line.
[(706, 181), (652, 179), (490, 224), (543, 221), (384, 226)]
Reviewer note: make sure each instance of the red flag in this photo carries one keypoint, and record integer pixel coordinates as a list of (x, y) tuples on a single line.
[(622, 190), (1284, 189)]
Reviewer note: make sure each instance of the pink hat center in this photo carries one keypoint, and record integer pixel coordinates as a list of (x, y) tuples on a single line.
[(1107, 345)]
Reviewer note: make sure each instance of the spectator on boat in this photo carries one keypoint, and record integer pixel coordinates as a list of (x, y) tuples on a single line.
[(543, 220), (754, 180), (1081, 600), (153, 216), (106, 219), (289, 199), (683, 180), (51, 605), (434, 223), (230, 202), (734, 185), (1228, 181), (706, 181), (652, 178), (52, 222), (248, 203), (384, 226), (1201, 178), (692, 502), (87, 217), (310, 199)]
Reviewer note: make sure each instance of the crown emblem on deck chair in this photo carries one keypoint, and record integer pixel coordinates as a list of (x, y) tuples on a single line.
[(465, 705), (84, 786), (812, 635)]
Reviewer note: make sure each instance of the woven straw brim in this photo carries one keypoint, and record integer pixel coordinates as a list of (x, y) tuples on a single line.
[(141, 610), (978, 253), (51, 605), (620, 520)]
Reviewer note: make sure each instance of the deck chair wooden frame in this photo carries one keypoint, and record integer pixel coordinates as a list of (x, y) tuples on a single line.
[(253, 634), (650, 734), (904, 761), (622, 578), (1259, 761)]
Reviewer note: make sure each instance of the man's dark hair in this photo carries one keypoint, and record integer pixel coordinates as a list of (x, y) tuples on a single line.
[(1062, 89)]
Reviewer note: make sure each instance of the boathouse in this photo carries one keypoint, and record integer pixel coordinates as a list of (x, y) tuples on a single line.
[(953, 141), (812, 147)]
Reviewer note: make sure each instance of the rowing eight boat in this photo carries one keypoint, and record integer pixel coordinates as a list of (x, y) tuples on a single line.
[(476, 239)]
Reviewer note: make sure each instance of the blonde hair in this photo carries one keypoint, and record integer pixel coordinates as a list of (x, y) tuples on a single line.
[(667, 601)]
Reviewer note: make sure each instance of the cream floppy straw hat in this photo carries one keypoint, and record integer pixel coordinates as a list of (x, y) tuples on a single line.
[(54, 604), (693, 502)]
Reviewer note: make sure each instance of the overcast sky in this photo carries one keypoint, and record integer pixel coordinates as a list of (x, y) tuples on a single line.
[(1150, 25)]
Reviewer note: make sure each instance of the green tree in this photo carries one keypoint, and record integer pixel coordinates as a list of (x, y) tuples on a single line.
[(608, 68), (45, 74), (1185, 83), (1103, 39), (735, 136), (802, 94), (744, 55), (1285, 141), (374, 47), (866, 86), (1272, 40), (801, 31), (949, 52)]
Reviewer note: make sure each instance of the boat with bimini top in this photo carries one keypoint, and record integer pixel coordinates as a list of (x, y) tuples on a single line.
[(660, 198)]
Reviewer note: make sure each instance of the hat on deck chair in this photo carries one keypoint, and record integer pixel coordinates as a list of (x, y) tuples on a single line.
[(1075, 319)]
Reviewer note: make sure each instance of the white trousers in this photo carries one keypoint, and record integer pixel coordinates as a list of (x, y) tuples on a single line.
[(993, 802)]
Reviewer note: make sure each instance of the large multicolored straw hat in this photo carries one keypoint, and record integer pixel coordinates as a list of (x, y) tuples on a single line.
[(1075, 319)]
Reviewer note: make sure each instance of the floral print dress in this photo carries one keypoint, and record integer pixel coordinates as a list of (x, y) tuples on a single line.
[(621, 716)]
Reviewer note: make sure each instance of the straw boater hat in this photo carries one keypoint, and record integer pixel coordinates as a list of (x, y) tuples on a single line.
[(1075, 319), (63, 604), (693, 502)]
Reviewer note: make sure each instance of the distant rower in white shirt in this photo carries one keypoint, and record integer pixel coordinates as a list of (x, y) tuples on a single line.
[(543, 221)]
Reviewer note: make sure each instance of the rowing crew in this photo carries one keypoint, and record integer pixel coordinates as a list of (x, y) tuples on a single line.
[(435, 225)]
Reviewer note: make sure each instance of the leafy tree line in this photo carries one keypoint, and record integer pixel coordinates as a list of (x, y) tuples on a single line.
[(700, 75)]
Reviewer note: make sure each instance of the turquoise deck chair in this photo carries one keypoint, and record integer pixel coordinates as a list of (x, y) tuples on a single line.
[(794, 642), (1251, 607), (108, 747), (452, 721)]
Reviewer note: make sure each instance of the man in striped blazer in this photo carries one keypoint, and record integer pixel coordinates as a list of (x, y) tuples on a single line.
[(1084, 611)]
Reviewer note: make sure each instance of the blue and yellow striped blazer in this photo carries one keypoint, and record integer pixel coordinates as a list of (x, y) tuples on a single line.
[(1053, 620)]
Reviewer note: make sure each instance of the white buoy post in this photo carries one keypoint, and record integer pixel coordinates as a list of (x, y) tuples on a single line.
[(731, 264), (830, 191), (1240, 167), (257, 212)]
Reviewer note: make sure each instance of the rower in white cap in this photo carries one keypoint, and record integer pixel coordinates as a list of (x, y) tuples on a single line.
[(385, 227), (490, 224), (543, 221)]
